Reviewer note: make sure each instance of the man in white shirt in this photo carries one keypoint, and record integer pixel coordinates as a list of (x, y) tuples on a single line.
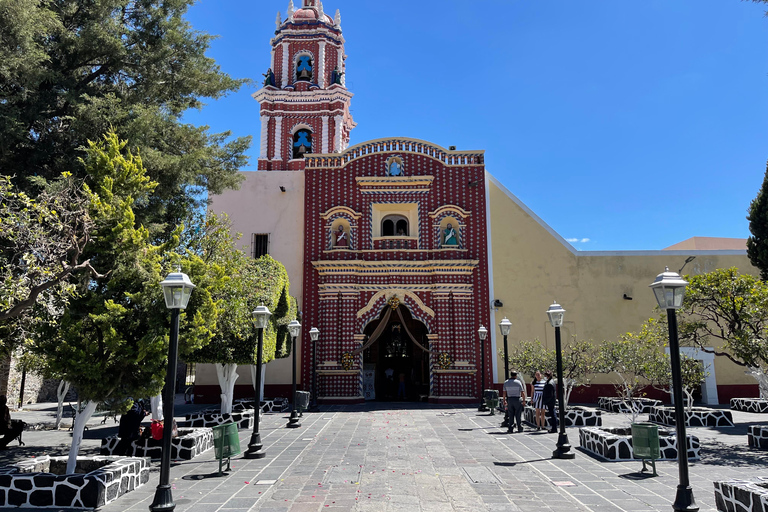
[(514, 398)]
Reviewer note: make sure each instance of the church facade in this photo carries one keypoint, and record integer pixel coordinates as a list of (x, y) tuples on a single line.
[(398, 249)]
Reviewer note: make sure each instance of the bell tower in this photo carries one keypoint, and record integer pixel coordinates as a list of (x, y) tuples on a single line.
[(304, 101)]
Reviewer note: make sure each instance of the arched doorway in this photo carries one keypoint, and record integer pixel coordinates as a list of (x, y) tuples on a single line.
[(394, 357)]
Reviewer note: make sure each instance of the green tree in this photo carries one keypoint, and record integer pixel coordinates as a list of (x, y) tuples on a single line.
[(71, 69), (757, 244), (250, 282), (726, 313), (112, 341)]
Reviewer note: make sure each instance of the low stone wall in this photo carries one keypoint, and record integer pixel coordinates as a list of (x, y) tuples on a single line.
[(742, 495), (698, 417), (759, 405), (574, 417), (268, 405), (757, 437), (615, 404), (29, 483), (188, 444), (616, 443), (243, 419)]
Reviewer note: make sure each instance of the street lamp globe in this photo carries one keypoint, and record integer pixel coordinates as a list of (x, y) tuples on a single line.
[(260, 316), (669, 289), (505, 325), (177, 288), (556, 314), (483, 333), (294, 328), (314, 333)]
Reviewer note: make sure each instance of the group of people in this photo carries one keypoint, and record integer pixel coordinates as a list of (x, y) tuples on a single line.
[(543, 399)]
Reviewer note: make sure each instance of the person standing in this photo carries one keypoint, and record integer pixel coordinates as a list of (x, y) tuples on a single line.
[(549, 399), (128, 431), (9, 429), (514, 398), (537, 388)]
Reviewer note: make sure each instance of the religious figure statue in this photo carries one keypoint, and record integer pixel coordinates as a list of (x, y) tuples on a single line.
[(341, 237), (269, 78), (336, 76), (395, 169), (449, 236)]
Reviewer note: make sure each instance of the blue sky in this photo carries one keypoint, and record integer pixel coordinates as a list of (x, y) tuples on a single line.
[(631, 124)]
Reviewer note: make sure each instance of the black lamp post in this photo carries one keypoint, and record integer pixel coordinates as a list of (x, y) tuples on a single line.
[(563, 451), (505, 325), (255, 449), (669, 289), (293, 329), (177, 289), (314, 334), (482, 332)]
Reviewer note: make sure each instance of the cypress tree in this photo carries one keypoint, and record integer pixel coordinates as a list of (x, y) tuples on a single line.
[(757, 244)]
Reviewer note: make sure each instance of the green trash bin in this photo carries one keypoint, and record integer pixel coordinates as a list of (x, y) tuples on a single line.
[(645, 443), (491, 399), (226, 443)]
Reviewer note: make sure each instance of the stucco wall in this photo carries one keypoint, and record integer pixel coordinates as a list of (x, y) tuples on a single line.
[(259, 206), (533, 266)]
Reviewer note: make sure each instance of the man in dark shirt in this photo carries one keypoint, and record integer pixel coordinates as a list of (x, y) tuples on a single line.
[(514, 398)]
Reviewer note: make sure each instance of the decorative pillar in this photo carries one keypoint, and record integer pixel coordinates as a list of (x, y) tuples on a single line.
[(340, 65), (264, 133), (278, 138), (321, 66), (338, 122), (324, 147), (285, 81)]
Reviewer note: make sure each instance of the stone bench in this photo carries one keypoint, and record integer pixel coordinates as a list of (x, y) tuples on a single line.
[(759, 405), (188, 444), (742, 495), (41, 482), (757, 437), (574, 417), (244, 419), (615, 404), (698, 417), (616, 443)]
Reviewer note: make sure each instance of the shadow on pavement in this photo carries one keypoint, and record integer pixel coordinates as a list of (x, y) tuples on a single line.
[(637, 476), (720, 454)]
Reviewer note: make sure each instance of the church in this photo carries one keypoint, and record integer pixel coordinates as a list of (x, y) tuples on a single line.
[(399, 250)]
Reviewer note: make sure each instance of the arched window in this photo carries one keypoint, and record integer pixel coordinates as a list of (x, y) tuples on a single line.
[(302, 143), (394, 225), (304, 68)]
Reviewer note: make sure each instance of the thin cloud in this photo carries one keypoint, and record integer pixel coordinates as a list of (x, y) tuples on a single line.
[(577, 240)]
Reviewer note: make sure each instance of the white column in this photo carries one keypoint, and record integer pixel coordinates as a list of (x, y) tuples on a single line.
[(278, 138), (324, 147), (264, 134), (272, 59), (285, 81), (320, 68), (338, 126), (340, 55)]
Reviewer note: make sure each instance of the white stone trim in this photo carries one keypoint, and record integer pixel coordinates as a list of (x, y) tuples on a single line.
[(324, 147), (278, 138), (491, 328), (264, 133), (321, 65), (338, 127), (286, 47)]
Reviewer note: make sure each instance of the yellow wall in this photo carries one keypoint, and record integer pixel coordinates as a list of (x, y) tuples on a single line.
[(532, 266)]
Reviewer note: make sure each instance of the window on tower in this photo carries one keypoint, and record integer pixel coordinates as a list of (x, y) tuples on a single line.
[(304, 68), (302, 143), (394, 225)]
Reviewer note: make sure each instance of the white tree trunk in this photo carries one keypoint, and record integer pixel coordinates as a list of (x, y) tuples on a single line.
[(569, 385), (77, 434), (227, 374), (156, 407), (762, 380), (688, 398), (61, 392)]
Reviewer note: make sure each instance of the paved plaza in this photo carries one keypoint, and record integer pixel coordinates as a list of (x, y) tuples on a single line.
[(416, 457)]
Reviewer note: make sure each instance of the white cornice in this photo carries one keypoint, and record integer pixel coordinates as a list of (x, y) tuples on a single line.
[(273, 95)]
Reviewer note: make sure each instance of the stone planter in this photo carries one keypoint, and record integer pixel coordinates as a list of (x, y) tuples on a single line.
[(698, 417), (757, 437), (742, 495), (614, 404), (188, 444), (616, 443), (40, 482), (268, 405), (244, 419), (574, 417), (759, 405)]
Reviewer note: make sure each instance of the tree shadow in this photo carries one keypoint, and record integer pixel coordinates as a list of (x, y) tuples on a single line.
[(715, 453)]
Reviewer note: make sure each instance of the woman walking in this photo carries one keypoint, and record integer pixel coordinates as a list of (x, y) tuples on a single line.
[(537, 400)]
